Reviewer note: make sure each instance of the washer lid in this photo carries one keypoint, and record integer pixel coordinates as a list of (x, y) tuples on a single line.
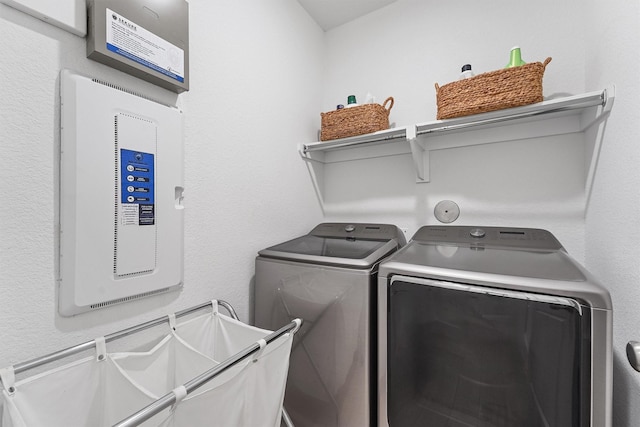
[(332, 251)]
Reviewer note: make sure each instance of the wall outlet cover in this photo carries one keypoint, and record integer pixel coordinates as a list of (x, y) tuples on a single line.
[(446, 211)]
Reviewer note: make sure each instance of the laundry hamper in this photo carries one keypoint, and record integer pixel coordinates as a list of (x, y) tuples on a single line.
[(495, 90), (104, 389)]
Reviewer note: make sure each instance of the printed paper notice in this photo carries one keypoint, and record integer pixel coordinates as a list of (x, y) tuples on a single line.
[(130, 40)]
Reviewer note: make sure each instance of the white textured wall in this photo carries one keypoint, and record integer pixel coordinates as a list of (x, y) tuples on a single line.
[(255, 93), (613, 217)]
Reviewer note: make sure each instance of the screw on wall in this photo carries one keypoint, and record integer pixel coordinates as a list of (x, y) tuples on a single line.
[(446, 211)]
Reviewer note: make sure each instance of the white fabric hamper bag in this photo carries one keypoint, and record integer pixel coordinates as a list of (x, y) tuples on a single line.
[(218, 336), (249, 394), (166, 366), (88, 392)]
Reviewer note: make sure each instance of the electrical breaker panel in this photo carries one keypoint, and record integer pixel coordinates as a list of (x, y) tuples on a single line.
[(121, 187)]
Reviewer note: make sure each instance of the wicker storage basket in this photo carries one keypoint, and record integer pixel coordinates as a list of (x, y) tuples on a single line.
[(355, 121), (495, 90)]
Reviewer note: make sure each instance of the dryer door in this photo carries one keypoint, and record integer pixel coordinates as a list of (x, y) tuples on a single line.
[(470, 355)]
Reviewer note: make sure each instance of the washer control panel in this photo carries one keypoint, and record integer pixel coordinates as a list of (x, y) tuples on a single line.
[(359, 231)]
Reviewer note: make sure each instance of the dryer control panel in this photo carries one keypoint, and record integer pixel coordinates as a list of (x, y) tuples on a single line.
[(510, 237)]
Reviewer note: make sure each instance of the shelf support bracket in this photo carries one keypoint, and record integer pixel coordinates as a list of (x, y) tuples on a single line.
[(420, 155), (315, 165), (609, 95)]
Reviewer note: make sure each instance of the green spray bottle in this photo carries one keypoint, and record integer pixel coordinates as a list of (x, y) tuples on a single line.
[(515, 58)]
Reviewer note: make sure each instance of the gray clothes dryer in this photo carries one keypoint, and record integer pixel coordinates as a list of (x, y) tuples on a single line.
[(492, 327), (327, 278)]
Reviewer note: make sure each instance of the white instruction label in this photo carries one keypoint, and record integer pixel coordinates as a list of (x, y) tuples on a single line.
[(130, 214), (130, 40)]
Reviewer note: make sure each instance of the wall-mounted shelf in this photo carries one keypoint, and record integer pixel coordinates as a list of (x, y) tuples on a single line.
[(569, 114), (381, 136)]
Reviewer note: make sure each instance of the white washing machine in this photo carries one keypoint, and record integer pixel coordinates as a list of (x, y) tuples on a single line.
[(327, 278), (492, 327)]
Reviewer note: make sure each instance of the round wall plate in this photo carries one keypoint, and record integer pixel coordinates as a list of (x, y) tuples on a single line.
[(446, 211)]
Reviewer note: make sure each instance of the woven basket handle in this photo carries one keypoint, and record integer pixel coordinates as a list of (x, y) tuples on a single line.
[(546, 62), (389, 99), (437, 88)]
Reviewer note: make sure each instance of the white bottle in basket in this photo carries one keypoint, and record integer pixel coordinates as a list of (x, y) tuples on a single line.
[(466, 72)]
